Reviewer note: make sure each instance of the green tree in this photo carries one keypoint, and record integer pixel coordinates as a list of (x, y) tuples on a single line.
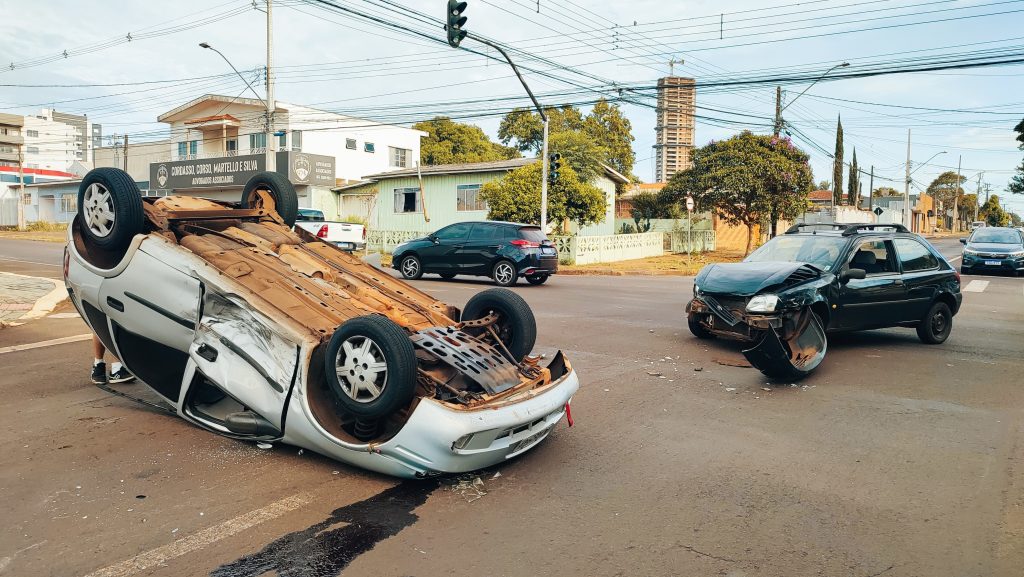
[(450, 142), (967, 208), (1015, 219), (824, 185), (516, 197), (1016, 185), (837, 165), (651, 205), (580, 152), (853, 184), (947, 188), (605, 125), (992, 213), (746, 179)]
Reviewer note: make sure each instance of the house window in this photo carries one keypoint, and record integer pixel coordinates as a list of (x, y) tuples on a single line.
[(368, 147), (32, 133), (69, 203), (193, 147), (182, 149), (407, 200), (231, 146), (258, 140), (297, 140), (468, 198), (32, 149), (350, 143), (399, 156), (282, 140)]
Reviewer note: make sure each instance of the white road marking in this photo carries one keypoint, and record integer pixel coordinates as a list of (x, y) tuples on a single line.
[(976, 286), (203, 538), (49, 343), (956, 258), (63, 316), (31, 261)]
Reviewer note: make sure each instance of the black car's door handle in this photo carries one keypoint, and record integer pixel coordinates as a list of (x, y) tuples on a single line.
[(898, 282), (115, 304)]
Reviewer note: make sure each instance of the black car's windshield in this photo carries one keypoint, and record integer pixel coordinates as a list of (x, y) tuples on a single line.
[(996, 236), (820, 250)]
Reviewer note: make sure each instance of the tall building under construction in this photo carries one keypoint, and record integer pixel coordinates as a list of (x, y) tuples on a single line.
[(674, 129)]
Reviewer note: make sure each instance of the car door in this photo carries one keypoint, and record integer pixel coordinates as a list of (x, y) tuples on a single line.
[(481, 248), (441, 255), (152, 308), (875, 300), (921, 277)]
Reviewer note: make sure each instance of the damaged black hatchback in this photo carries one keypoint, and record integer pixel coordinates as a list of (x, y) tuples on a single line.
[(817, 279)]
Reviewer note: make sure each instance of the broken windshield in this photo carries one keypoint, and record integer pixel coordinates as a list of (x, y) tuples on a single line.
[(820, 250)]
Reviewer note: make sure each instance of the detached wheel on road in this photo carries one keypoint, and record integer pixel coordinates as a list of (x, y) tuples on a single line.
[(110, 208), (504, 273), (537, 279), (516, 326), (411, 267), (936, 325), (447, 275), (370, 366), (286, 202)]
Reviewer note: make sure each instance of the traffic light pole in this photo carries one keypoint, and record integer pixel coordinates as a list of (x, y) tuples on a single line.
[(544, 117)]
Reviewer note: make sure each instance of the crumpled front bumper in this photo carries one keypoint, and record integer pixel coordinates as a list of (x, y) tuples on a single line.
[(730, 323), (438, 439)]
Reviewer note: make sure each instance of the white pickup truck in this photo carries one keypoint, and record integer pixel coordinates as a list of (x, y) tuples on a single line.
[(344, 235)]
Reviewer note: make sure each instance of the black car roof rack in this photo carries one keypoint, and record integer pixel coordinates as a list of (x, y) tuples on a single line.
[(848, 229)]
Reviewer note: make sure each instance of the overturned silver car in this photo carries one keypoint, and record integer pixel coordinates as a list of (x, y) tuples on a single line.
[(255, 331)]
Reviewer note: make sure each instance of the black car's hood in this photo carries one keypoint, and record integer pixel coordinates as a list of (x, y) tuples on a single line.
[(745, 278), (999, 247)]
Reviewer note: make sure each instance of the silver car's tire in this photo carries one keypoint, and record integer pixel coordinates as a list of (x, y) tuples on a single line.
[(286, 201), (110, 208), (370, 366), (516, 326)]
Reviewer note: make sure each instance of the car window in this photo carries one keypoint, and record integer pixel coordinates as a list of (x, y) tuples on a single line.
[(915, 256), (457, 231), (996, 236), (820, 250), (532, 234), (873, 257), (485, 231), (311, 215)]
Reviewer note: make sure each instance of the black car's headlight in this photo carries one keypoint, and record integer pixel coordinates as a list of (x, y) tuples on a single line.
[(766, 303), (696, 289)]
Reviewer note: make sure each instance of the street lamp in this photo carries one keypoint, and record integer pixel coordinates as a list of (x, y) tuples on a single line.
[(842, 65), (906, 189), (271, 165)]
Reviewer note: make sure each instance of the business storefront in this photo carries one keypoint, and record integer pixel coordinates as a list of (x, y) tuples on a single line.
[(223, 178)]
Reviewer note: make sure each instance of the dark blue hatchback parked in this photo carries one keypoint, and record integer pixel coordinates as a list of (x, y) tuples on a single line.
[(503, 251)]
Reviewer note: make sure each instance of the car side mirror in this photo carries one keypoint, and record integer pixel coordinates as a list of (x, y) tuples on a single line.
[(963, 241), (433, 238), (852, 274)]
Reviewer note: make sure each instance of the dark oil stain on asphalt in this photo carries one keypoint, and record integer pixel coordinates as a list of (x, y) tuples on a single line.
[(320, 551)]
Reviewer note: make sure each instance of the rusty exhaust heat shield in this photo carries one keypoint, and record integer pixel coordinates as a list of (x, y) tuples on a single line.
[(796, 354)]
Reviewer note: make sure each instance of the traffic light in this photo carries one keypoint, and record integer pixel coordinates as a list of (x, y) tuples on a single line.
[(554, 166), (455, 22)]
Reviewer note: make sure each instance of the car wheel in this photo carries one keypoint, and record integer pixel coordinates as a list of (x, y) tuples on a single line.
[(516, 326), (411, 267), (110, 208), (370, 365), (934, 329), (504, 273), (286, 202), (793, 368), (537, 279), (696, 328), (447, 275)]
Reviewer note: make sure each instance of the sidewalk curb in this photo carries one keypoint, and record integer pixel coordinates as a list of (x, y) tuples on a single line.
[(45, 304)]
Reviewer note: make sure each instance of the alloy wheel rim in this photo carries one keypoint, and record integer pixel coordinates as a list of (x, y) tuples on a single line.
[(361, 369), (503, 273), (98, 210), (410, 267)]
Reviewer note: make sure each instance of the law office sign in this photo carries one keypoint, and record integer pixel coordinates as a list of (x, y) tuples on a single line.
[(307, 169), (230, 171)]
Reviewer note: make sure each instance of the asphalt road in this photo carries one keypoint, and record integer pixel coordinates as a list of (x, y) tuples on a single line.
[(895, 458)]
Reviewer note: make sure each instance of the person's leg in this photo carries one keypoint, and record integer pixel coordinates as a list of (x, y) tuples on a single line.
[(99, 368)]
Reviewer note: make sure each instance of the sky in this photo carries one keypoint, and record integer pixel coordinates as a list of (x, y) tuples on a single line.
[(571, 50)]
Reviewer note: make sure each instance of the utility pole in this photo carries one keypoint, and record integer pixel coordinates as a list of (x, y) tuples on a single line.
[(956, 195), (271, 106), (126, 152), (977, 196), (871, 190), (778, 111), (544, 178), (906, 189), (21, 187)]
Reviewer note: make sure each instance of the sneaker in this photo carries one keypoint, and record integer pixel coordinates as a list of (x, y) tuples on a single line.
[(99, 374), (122, 376)]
